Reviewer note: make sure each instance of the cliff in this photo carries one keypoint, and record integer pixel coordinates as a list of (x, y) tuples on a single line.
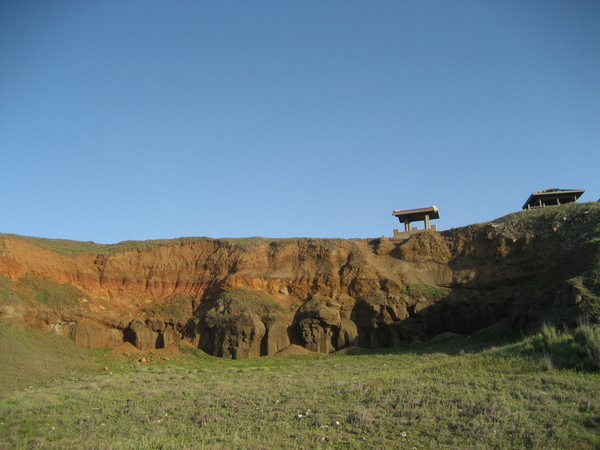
[(253, 297)]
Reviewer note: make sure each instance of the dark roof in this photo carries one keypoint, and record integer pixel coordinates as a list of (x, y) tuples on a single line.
[(547, 194), (417, 214)]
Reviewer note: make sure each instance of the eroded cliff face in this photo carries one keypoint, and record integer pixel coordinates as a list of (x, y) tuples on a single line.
[(251, 297)]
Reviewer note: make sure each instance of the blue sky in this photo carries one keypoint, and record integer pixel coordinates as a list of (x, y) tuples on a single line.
[(142, 120)]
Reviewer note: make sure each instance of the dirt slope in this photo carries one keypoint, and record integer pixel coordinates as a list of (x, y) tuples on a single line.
[(252, 297)]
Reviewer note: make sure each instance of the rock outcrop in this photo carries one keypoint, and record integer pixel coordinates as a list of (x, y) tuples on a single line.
[(251, 297)]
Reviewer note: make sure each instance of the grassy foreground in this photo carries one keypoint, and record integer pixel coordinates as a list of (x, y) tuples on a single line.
[(454, 393)]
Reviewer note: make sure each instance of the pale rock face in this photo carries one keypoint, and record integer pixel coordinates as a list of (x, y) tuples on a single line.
[(12, 316), (87, 333), (143, 336), (242, 339), (348, 335), (277, 336)]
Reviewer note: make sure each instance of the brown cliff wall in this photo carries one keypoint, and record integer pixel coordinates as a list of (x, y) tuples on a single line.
[(330, 293)]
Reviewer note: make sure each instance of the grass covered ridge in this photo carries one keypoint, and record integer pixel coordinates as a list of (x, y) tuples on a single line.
[(427, 291), (177, 306), (462, 392), (34, 355), (240, 301), (74, 248), (37, 291), (554, 220)]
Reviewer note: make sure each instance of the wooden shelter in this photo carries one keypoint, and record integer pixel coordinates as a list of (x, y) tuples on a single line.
[(550, 197), (407, 216)]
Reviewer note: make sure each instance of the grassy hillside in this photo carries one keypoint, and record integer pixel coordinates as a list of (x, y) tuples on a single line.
[(462, 392), (29, 357), (74, 248)]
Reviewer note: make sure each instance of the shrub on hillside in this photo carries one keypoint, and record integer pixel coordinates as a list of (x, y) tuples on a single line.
[(588, 338), (579, 348)]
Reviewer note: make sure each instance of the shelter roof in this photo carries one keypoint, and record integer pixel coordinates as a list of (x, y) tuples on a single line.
[(553, 193), (417, 214)]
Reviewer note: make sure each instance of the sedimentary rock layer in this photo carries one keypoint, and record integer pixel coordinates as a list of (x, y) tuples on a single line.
[(252, 297)]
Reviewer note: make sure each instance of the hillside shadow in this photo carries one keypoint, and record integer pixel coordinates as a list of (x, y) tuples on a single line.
[(465, 344)]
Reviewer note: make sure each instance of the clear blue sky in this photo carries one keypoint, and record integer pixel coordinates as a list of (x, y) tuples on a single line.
[(158, 119)]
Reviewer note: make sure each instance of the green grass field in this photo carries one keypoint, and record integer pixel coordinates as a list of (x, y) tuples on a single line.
[(462, 392)]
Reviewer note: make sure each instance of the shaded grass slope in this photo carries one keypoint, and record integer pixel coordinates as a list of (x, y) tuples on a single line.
[(33, 356)]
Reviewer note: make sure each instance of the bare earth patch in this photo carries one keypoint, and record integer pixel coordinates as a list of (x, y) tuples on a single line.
[(293, 350)]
